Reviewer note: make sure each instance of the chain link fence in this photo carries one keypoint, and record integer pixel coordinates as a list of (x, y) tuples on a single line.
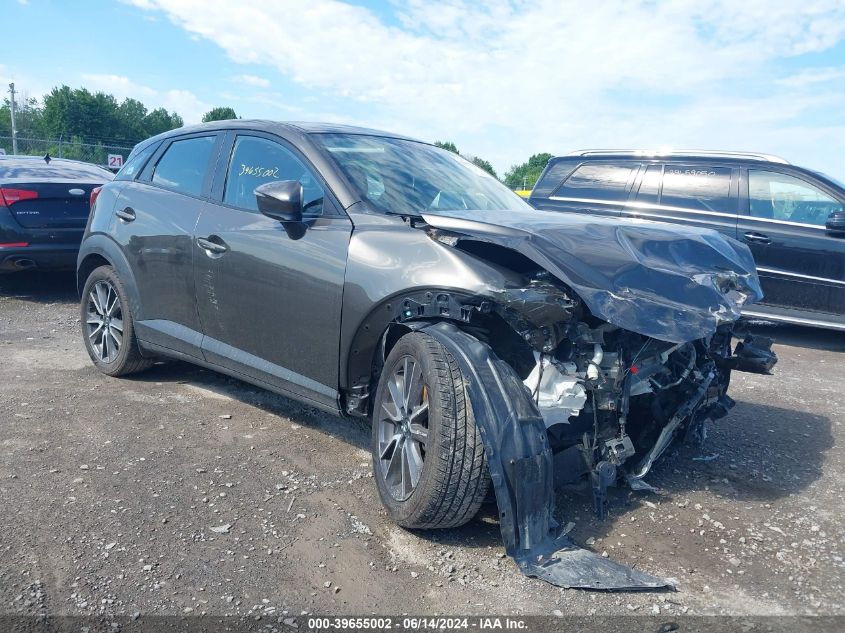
[(74, 148)]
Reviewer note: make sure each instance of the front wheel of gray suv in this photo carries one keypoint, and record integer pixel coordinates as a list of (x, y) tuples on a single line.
[(428, 457), (108, 328)]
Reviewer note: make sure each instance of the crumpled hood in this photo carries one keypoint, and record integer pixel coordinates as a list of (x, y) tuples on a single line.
[(670, 282)]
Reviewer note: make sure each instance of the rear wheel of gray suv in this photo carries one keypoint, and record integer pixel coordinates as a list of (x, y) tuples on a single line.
[(428, 458), (107, 325)]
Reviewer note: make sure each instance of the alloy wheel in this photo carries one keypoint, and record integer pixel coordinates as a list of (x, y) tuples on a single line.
[(403, 429), (104, 321)]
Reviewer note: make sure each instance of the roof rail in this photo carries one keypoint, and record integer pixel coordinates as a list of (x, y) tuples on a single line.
[(681, 152)]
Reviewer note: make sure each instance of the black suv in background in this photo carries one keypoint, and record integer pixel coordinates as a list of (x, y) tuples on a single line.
[(792, 218)]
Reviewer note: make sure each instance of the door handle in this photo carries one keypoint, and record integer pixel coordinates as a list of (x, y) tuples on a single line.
[(127, 214), (757, 238), (211, 247)]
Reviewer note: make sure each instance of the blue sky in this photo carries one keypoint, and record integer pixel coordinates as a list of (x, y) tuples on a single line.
[(503, 80)]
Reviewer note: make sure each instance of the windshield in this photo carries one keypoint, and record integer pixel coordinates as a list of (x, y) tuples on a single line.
[(409, 177)]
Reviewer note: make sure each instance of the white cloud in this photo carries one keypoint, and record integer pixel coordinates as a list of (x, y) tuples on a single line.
[(253, 80), (507, 79), (186, 103), (811, 76), (183, 102), (119, 86)]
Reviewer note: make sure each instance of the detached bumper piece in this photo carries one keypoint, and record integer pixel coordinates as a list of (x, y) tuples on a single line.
[(521, 467), (566, 565), (753, 354)]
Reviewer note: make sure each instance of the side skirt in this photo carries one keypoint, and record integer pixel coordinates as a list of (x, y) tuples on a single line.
[(161, 350)]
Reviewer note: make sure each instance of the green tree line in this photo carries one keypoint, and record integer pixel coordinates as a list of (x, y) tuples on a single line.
[(76, 123), (523, 175), (83, 125)]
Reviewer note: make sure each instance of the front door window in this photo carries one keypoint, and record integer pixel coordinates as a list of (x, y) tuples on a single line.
[(256, 161)]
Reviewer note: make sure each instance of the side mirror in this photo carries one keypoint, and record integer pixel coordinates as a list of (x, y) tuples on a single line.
[(280, 200), (836, 223)]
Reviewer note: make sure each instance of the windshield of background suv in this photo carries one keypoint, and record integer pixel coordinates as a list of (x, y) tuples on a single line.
[(409, 177), (832, 179)]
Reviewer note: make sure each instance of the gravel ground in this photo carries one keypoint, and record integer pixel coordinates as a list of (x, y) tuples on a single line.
[(181, 491)]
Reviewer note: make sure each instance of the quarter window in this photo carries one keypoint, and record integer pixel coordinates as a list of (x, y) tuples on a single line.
[(780, 197), (256, 161), (183, 165), (135, 163), (597, 181), (697, 187)]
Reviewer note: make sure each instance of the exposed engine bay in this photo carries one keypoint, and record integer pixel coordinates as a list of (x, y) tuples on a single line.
[(588, 346), (589, 381), (612, 401)]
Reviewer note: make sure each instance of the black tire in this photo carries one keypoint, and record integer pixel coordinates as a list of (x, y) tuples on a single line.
[(124, 358), (454, 480)]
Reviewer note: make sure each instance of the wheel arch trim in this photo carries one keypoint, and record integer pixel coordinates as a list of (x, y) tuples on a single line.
[(361, 359), (102, 246)]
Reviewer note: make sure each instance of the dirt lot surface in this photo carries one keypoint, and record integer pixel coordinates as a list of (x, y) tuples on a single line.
[(181, 491)]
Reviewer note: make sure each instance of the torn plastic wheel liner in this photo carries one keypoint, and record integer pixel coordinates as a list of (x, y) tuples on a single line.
[(522, 471)]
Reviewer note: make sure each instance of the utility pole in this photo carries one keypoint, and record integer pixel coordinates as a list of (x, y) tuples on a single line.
[(14, 129)]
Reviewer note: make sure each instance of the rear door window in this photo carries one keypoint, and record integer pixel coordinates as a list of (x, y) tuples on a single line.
[(776, 196), (184, 164), (256, 161), (697, 187), (597, 181)]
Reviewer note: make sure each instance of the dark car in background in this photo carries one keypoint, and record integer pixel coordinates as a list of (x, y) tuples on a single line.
[(44, 205), (377, 276), (792, 218)]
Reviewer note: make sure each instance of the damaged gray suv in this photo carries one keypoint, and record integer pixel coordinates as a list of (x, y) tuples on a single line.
[(370, 275)]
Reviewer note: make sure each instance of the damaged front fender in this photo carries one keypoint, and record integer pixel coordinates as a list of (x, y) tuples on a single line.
[(521, 468), (668, 282), (587, 348)]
